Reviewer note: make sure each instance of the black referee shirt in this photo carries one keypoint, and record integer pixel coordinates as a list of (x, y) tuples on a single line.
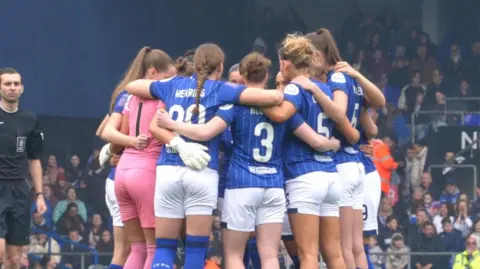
[(20, 139)]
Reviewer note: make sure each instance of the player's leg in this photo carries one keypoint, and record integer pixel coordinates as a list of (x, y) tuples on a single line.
[(169, 214), (201, 189), (269, 219), (358, 249), (3, 225), (121, 248), (349, 175), (289, 242), (304, 195), (371, 202), (238, 222), (124, 184), (330, 246), (18, 223), (144, 196)]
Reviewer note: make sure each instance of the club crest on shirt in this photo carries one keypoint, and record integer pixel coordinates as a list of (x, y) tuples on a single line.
[(338, 78), (291, 89), (226, 107), (21, 143)]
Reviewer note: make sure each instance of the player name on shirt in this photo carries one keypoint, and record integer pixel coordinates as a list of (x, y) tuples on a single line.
[(255, 111), (188, 93)]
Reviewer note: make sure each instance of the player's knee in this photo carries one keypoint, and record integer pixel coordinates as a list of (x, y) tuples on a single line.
[(308, 254), (14, 259), (358, 248)]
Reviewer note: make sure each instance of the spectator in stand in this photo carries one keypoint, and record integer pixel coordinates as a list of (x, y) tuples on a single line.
[(446, 211), (399, 75), (475, 207), (378, 67), (40, 221), (424, 40), (416, 161), (451, 192), (95, 230), (60, 189), (417, 201), (428, 241), (360, 63), (41, 245), (452, 238), (105, 245), (349, 54), (53, 172), (74, 171), (464, 92), (73, 261), (70, 220), (385, 234), (463, 223), (411, 42), (384, 161), (454, 67), (385, 210), (473, 65), (420, 120), (408, 95), (428, 204), (71, 198), (396, 258), (470, 258), (427, 186), (415, 227), (425, 63), (438, 84), (376, 254)]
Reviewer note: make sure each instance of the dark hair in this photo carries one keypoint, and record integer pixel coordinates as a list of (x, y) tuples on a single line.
[(69, 188), (428, 223), (184, 67), (7, 70), (145, 59), (446, 220), (254, 67), (390, 218), (323, 41), (207, 59), (297, 49), (73, 230)]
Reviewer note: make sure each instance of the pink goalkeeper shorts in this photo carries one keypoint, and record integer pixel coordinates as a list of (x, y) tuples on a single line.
[(135, 189)]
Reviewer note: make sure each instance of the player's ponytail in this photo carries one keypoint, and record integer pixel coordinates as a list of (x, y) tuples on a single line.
[(207, 60), (324, 42), (146, 58)]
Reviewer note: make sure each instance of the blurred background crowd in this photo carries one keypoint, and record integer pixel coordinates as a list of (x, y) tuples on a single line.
[(430, 128)]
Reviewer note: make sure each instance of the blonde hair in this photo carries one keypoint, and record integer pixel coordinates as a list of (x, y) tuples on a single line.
[(297, 49)]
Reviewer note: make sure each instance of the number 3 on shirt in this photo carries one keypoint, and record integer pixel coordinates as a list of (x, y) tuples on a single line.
[(186, 116), (267, 142)]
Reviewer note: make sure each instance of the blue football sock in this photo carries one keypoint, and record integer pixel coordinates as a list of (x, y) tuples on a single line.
[(246, 256), (296, 261), (114, 266), (195, 251), (253, 253), (367, 253), (165, 253)]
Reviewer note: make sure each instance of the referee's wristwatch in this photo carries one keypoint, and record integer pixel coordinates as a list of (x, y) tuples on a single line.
[(38, 194)]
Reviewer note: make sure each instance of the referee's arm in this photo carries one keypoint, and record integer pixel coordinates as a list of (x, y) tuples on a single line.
[(34, 154)]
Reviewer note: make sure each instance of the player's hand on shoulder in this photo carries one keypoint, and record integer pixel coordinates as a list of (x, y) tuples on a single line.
[(305, 83), (367, 149), (335, 143), (163, 119), (344, 67)]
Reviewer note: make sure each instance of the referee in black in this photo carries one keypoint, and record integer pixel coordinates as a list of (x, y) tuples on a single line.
[(21, 147)]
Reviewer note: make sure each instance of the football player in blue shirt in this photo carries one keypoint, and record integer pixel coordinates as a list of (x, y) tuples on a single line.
[(148, 64), (350, 90), (313, 186), (181, 192), (255, 172)]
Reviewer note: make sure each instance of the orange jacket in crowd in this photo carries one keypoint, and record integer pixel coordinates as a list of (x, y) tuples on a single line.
[(211, 265), (384, 163)]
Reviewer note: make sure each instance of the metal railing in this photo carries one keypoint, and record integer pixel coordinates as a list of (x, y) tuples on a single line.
[(461, 99), (461, 114)]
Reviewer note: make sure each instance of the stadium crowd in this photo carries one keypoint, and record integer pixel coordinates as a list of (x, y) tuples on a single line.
[(418, 212)]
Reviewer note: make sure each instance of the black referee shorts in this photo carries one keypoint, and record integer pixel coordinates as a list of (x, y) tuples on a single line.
[(15, 206)]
